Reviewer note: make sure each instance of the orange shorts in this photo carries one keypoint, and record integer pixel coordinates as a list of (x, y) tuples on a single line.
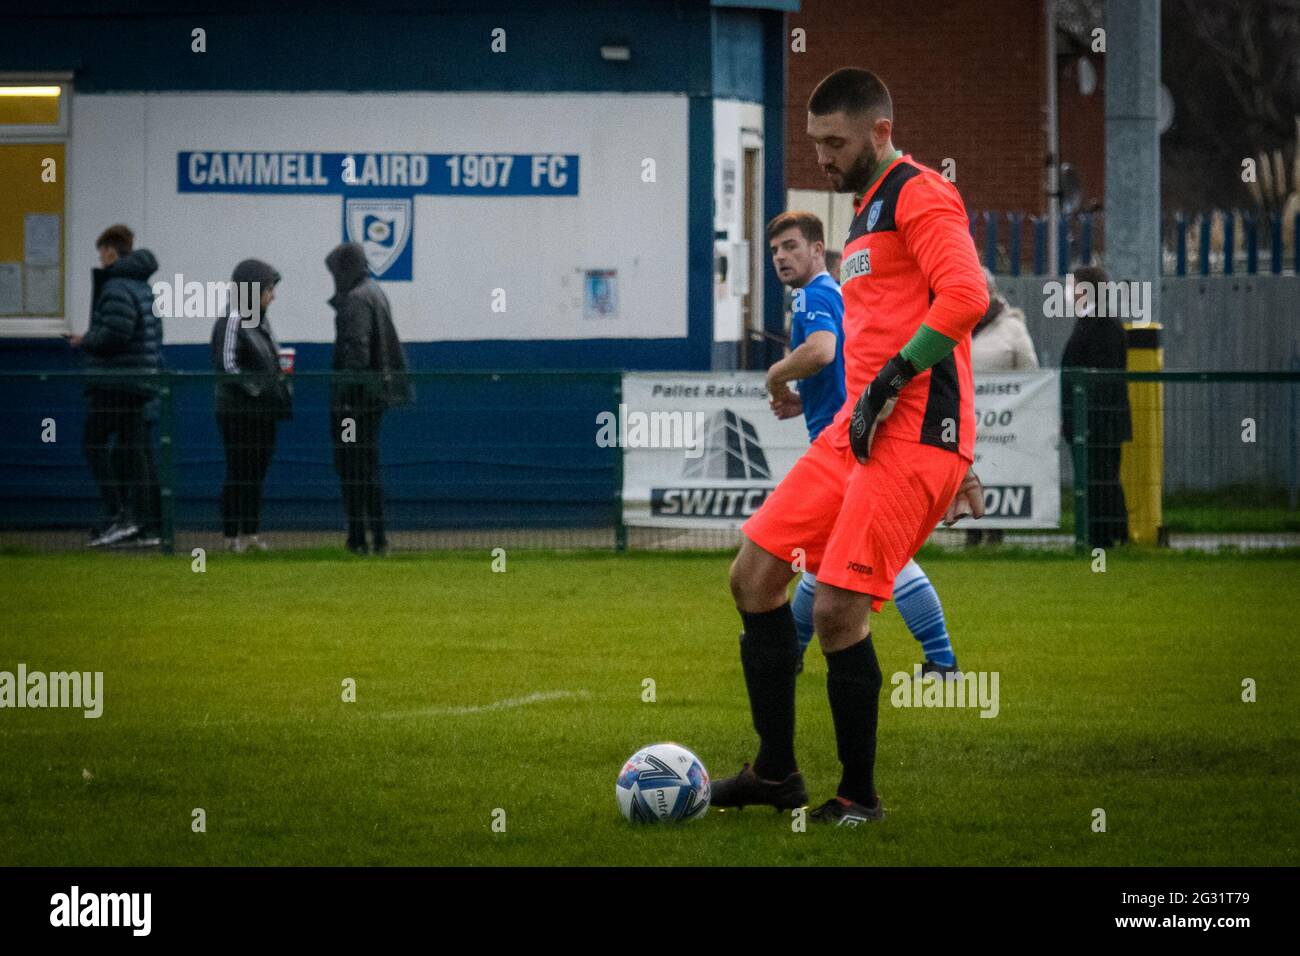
[(858, 524)]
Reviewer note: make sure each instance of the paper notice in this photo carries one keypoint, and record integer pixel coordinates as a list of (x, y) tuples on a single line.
[(41, 246), (43, 290), (600, 294), (11, 288), (728, 191)]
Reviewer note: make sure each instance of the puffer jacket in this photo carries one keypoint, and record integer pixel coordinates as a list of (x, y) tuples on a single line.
[(364, 336), (253, 354), (124, 332)]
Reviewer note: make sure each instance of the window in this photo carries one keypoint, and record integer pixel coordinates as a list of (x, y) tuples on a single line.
[(33, 192)]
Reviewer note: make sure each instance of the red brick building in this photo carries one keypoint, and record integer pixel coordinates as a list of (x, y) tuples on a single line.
[(1083, 126), (969, 85)]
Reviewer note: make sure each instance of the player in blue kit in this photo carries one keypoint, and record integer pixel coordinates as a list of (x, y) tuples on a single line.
[(816, 362)]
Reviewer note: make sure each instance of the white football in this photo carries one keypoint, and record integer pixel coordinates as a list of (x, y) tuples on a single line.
[(662, 783)]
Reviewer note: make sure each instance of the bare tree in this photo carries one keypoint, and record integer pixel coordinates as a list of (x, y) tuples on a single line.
[(1237, 84), (1079, 18)]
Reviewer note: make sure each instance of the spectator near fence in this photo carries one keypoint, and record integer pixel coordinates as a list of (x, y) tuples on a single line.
[(999, 343), (833, 260), (249, 409), (1099, 342), (365, 341), (124, 335)]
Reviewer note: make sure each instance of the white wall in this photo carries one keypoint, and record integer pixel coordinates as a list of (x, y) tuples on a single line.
[(124, 170), (730, 117), (835, 210)]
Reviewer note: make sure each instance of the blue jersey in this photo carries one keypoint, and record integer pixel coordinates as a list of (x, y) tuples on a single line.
[(822, 310)]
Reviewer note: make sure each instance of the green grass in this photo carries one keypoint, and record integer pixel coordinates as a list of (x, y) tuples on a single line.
[(1236, 509), (1119, 690)]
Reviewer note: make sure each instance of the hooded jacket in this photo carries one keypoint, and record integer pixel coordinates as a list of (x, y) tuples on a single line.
[(251, 351), (1098, 342), (1002, 343), (364, 336), (124, 333)]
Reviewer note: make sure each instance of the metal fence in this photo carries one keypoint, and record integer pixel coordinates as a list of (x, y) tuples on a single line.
[(1214, 242), (479, 458), (510, 459), (1228, 323), (1187, 459)]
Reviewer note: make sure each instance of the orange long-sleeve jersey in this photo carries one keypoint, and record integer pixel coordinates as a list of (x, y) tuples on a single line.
[(909, 259)]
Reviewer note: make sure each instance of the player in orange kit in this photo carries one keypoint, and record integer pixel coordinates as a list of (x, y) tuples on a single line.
[(893, 463)]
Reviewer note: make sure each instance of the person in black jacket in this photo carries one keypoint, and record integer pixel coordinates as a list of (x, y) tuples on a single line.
[(1099, 342), (365, 342), (124, 335), (248, 408)]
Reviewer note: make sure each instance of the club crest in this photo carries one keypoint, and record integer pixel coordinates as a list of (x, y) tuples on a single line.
[(873, 213), (382, 226)]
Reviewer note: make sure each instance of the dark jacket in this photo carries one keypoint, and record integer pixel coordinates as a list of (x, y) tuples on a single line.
[(1098, 342), (364, 336), (124, 333), (254, 354)]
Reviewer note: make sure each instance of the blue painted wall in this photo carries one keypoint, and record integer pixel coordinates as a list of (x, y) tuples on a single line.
[(473, 452), (380, 45)]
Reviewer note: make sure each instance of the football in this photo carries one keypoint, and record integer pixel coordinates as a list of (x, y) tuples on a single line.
[(662, 783)]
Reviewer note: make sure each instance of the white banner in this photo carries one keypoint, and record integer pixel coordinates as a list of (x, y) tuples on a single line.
[(1018, 424), (703, 449)]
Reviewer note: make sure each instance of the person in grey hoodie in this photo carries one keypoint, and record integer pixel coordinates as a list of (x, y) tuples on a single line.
[(371, 377), (248, 407)]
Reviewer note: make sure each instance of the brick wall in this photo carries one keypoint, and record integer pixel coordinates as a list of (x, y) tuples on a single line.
[(967, 79), (1083, 127)]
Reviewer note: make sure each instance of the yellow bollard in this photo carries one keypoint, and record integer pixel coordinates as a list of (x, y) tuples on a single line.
[(1142, 460)]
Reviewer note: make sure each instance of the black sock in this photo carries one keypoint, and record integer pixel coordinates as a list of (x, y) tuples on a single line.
[(853, 682), (769, 654)]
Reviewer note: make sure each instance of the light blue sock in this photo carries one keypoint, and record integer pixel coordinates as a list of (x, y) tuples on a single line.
[(802, 606), (922, 612)]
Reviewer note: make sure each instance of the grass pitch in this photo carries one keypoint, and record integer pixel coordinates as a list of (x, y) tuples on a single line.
[(522, 691)]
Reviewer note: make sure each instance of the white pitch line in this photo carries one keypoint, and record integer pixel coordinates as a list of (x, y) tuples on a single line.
[(508, 704)]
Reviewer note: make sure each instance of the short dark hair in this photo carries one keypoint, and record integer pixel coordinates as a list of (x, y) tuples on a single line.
[(833, 260), (1093, 275), (119, 238), (851, 91), (806, 222)]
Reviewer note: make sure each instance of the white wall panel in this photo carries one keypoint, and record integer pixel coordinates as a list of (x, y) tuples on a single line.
[(534, 247)]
